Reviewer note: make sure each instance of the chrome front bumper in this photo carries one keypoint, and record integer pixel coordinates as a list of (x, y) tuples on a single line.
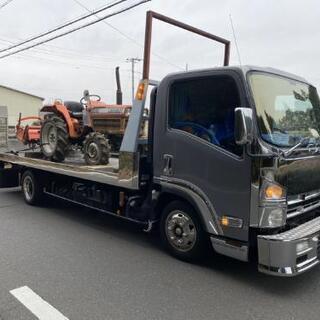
[(291, 252)]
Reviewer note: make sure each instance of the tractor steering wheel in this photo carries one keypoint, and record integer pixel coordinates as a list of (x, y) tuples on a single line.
[(83, 99), (197, 130)]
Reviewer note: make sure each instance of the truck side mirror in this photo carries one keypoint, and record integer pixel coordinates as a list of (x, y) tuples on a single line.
[(243, 126)]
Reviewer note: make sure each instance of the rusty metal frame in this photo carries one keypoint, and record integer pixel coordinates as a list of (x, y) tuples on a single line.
[(148, 37)]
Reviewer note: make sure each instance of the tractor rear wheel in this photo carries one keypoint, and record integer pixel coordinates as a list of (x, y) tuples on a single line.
[(96, 149), (54, 139)]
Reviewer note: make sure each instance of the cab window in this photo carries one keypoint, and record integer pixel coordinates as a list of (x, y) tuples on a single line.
[(205, 108)]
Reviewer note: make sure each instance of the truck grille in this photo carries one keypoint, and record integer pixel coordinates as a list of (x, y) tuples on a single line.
[(302, 203)]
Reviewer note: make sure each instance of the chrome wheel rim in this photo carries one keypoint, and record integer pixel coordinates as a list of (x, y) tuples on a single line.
[(49, 138), (181, 231), (28, 188)]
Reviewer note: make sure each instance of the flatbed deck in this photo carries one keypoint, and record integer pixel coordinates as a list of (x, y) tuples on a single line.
[(73, 166)]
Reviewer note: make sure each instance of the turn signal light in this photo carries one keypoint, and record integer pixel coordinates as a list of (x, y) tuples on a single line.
[(224, 221), (232, 222), (274, 192), (140, 91)]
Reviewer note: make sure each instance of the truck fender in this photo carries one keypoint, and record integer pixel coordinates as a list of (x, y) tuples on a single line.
[(196, 198)]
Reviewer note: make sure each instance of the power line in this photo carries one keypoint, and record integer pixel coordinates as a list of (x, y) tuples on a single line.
[(62, 50), (62, 26), (5, 3), (72, 52), (76, 29), (73, 65), (128, 37), (68, 53), (77, 64)]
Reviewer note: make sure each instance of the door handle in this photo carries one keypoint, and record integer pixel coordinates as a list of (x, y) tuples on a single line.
[(168, 165)]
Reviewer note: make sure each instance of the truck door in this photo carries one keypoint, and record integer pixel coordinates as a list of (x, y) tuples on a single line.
[(194, 142)]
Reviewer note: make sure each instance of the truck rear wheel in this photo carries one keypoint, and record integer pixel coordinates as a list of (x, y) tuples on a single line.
[(182, 233), (31, 188), (54, 139), (96, 149)]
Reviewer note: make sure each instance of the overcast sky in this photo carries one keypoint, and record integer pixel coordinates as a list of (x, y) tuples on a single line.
[(281, 34)]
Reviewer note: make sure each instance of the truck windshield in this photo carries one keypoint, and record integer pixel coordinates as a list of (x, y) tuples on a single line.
[(287, 110)]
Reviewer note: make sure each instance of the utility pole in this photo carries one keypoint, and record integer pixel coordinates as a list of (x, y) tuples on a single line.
[(133, 61)]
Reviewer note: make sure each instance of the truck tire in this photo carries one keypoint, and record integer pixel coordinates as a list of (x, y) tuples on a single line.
[(96, 149), (54, 139), (182, 233), (31, 188)]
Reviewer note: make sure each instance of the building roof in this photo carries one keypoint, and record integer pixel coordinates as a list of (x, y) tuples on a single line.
[(22, 92)]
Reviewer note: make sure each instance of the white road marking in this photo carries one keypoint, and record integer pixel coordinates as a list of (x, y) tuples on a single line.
[(39, 307)]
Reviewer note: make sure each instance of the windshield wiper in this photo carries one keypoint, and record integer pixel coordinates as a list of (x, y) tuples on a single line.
[(305, 142), (302, 142)]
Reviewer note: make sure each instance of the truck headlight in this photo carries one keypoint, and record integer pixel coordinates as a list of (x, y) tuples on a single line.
[(272, 216), (276, 218), (274, 192), (273, 205)]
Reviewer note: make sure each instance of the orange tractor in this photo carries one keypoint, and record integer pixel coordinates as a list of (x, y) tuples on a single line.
[(91, 124)]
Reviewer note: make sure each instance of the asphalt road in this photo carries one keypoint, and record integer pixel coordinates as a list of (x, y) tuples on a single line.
[(89, 267)]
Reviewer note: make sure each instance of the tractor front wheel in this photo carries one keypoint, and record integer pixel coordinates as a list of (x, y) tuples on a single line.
[(96, 149), (54, 139)]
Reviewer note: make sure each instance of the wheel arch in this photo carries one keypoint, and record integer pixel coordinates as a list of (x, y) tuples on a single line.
[(170, 192), (36, 172)]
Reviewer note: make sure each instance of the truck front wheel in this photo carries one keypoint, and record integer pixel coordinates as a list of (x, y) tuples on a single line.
[(182, 233), (31, 188)]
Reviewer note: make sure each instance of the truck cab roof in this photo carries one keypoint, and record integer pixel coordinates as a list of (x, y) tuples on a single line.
[(244, 70)]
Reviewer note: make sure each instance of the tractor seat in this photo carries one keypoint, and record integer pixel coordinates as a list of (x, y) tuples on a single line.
[(75, 108)]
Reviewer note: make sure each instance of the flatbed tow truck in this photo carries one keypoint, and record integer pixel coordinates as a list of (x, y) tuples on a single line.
[(231, 162)]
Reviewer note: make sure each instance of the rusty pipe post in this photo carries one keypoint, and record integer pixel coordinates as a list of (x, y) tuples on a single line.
[(119, 91), (148, 38), (147, 46)]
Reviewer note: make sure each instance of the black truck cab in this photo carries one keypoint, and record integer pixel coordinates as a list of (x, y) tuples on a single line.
[(227, 141)]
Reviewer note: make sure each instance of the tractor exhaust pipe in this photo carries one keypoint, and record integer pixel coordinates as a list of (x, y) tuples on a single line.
[(119, 92)]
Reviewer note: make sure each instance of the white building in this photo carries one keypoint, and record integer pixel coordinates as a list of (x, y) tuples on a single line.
[(18, 101)]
